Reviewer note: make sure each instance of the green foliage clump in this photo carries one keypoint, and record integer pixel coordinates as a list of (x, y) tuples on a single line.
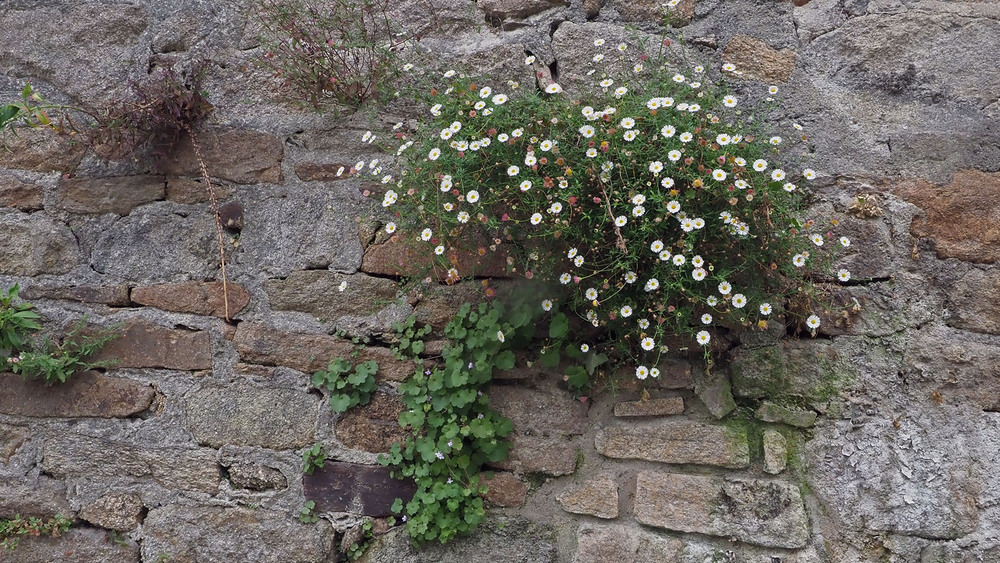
[(349, 385), (307, 514), (43, 358), (12, 530), (454, 432)]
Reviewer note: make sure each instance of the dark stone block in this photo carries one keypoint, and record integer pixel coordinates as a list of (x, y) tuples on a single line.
[(360, 489)]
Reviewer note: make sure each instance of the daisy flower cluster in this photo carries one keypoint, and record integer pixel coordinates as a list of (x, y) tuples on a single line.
[(652, 208)]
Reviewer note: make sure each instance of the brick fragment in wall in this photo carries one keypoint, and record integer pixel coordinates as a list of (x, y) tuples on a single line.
[(373, 427), (118, 195), (143, 344), (199, 298), (239, 156), (86, 394), (113, 295)]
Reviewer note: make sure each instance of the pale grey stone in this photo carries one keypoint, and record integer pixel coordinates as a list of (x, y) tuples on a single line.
[(246, 415), (775, 452), (676, 442)]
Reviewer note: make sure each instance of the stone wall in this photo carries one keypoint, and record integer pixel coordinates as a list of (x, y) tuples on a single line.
[(876, 441)]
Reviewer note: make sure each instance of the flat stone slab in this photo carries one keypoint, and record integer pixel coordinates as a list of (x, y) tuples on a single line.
[(358, 489), (623, 544), (77, 544), (678, 442), (651, 407), (214, 533), (118, 195), (143, 344), (186, 469), (86, 394), (113, 295), (765, 513), (199, 298), (319, 293), (261, 344), (597, 496), (770, 412), (245, 415)]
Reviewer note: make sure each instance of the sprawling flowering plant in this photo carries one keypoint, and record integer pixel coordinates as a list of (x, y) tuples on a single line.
[(653, 208)]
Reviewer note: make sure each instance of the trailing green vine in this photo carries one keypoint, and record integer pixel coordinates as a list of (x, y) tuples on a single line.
[(12, 530), (454, 432)]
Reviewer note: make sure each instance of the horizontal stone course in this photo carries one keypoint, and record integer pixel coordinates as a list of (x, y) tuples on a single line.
[(765, 513), (86, 394), (319, 293), (119, 195), (143, 344), (240, 156), (245, 415), (113, 295), (596, 496), (261, 344), (650, 407), (215, 533), (360, 489), (676, 442), (77, 544), (199, 298), (184, 469), (624, 544)]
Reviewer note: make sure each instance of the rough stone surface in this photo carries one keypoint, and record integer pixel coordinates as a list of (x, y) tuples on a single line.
[(961, 217), (596, 496), (647, 11), (114, 511), (143, 344), (623, 544), (311, 352), (775, 452), (43, 497), (318, 293), (78, 544), (767, 513), (770, 412), (758, 60), (976, 301), (35, 244), (191, 533), (964, 368), (156, 244), (360, 489), (545, 419), (20, 195), (812, 370), (242, 157), (373, 427), (322, 172), (11, 440), (715, 391), (505, 539), (171, 467), (41, 150), (400, 257), (506, 9), (253, 416), (193, 190), (505, 489), (676, 442), (109, 195), (650, 407), (256, 477), (86, 394), (198, 298), (113, 295)]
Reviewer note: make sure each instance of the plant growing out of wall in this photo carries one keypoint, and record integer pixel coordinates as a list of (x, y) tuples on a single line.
[(344, 51), (157, 113), (654, 208), (453, 431), (12, 530), (349, 385), (43, 358)]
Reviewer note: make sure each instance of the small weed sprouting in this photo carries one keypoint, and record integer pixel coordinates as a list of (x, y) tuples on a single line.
[(313, 459), (17, 322), (12, 530), (306, 515), (349, 385)]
